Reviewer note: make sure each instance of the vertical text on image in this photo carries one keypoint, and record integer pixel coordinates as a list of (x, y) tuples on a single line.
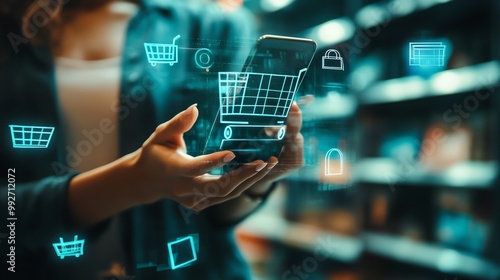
[(11, 218)]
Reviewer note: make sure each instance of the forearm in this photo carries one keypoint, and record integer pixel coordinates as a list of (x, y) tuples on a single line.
[(103, 192)]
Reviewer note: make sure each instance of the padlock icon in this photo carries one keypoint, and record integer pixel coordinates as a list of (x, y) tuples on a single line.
[(332, 60), (334, 162)]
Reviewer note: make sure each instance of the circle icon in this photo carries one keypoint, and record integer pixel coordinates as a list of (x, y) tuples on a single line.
[(203, 58)]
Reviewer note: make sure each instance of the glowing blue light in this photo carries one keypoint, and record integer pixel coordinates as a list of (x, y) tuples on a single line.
[(31, 136), (203, 58), (174, 257), (331, 32), (274, 5), (245, 96), (70, 248), (426, 53), (162, 53)]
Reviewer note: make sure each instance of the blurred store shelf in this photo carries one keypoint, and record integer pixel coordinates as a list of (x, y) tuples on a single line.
[(466, 79), (389, 171), (378, 13), (332, 106), (348, 249), (306, 174), (400, 16), (430, 256), (302, 236)]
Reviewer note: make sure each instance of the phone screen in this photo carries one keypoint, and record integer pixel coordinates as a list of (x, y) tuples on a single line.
[(255, 102), (280, 55)]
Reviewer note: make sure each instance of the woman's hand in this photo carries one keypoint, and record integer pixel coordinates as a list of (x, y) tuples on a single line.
[(164, 171), (291, 156), (161, 169)]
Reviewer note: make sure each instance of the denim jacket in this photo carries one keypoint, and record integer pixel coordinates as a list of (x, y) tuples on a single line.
[(149, 95)]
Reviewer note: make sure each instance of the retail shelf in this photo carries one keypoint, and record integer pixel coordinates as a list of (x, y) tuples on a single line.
[(389, 171), (378, 13), (478, 78), (304, 237), (408, 11), (332, 106), (430, 256), (348, 249)]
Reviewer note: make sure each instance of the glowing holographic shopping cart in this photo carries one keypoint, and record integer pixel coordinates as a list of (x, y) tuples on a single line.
[(162, 53), (70, 248), (247, 100), (30, 136)]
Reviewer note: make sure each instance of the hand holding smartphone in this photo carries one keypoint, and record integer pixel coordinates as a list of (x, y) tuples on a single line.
[(254, 103)]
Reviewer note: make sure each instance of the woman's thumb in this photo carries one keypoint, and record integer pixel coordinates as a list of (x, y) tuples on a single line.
[(173, 129)]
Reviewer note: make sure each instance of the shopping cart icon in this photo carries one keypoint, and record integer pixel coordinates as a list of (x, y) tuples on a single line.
[(247, 100), (427, 53), (162, 53), (31, 136), (70, 248)]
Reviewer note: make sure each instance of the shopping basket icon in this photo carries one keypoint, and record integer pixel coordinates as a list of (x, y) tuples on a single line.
[(247, 100), (162, 53), (30, 136), (70, 248)]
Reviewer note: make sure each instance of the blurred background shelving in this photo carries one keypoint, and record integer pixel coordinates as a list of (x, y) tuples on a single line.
[(463, 175), (419, 195)]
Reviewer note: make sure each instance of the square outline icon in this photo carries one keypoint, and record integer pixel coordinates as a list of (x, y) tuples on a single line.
[(171, 255)]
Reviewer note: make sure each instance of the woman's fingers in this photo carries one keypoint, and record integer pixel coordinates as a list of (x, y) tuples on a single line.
[(294, 121), (209, 199), (207, 188), (271, 163), (231, 180), (172, 130), (203, 164), (196, 189)]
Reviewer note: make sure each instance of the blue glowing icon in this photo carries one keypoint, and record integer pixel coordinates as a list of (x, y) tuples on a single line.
[(162, 53), (181, 252), (334, 155), (247, 97), (332, 60), (70, 248), (203, 58), (427, 53), (31, 136)]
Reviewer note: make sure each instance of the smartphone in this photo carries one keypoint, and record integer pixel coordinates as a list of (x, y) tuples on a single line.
[(254, 103)]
